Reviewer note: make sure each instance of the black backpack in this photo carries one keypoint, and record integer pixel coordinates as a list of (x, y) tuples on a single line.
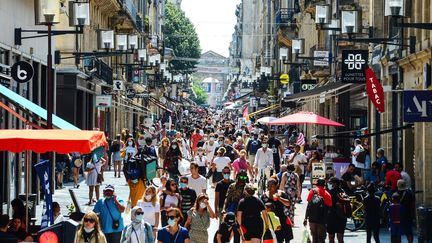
[(316, 210)]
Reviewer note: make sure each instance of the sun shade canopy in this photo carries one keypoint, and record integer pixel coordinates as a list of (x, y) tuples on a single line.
[(60, 141), (305, 118)]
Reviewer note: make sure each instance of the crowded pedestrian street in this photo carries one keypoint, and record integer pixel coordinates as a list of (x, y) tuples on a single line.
[(224, 121)]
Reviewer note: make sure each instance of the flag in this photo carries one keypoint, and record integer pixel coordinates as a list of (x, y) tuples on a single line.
[(374, 90), (300, 140), (43, 171)]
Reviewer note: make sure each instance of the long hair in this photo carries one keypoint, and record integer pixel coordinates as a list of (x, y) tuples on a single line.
[(97, 229), (200, 197), (168, 185), (165, 139), (154, 198)]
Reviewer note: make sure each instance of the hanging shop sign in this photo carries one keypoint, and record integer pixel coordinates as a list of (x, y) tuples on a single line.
[(354, 64), (284, 78), (374, 90), (103, 101), (307, 84), (130, 93), (321, 58), (118, 85), (22, 72), (417, 106)]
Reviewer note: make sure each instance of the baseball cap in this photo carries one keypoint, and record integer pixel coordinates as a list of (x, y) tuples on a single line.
[(109, 187), (229, 218)]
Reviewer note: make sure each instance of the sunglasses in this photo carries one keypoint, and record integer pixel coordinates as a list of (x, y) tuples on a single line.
[(172, 217), (139, 213), (87, 220), (173, 185), (226, 173)]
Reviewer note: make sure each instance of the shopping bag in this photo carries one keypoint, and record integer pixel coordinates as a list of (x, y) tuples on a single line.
[(306, 236), (269, 237)]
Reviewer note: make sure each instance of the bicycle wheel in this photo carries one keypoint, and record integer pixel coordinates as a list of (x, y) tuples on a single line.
[(357, 219)]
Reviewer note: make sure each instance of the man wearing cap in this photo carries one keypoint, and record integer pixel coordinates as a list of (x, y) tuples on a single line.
[(110, 209), (317, 223)]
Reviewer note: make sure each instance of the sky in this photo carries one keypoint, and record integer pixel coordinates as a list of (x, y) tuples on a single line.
[(214, 21)]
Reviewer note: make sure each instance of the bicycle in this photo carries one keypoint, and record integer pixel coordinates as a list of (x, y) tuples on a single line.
[(358, 215), (262, 181)]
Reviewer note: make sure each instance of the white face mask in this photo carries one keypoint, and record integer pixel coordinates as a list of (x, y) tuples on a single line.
[(135, 181), (171, 222), (148, 197), (139, 218), (130, 143), (174, 146), (264, 145), (88, 230), (202, 205)]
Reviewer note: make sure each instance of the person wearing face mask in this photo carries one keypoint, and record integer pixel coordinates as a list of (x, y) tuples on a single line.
[(219, 162), (252, 147), (173, 156), (116, 147), (336, 222), (210, 147), (173, 232), (90, 231), (110, 209), (151, 208), (196, 181), (263, 161), (201, 161), (198, 220), (149, 149), (131, 148), (188, 196), (138, 231), (221, 190), (194, 140), (170, 197)]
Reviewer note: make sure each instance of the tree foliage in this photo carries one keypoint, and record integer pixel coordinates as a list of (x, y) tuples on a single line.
[(200, 96), (181, 36)]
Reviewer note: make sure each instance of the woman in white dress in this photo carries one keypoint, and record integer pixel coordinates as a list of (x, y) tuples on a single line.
[(151, 208), (91, 180)]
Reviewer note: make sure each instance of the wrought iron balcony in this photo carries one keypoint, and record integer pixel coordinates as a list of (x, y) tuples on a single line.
[(131, 9), (103, 71), (139, 23)]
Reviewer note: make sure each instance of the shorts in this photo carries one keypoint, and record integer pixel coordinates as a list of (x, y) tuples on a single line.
[(336, 225), (254, 228)]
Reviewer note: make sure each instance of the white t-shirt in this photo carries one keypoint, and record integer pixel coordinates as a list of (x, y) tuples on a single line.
[(357, 149), (221, 162), (200, 161), (171, 200), (131, 150), (198, 184), (300, 160), (149, 211), (210, 149)]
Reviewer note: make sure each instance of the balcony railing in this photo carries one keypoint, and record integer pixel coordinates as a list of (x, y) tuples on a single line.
[(131, 9), (139, 23), (103, 71), (285, 16)]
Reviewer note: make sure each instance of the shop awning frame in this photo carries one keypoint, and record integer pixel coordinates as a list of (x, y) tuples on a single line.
[(159, 104), (269, 108), (35, 109), (329, 88)]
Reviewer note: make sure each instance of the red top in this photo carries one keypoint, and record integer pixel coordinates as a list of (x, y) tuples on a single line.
[(323, 193), (391, 178), (195, 138)]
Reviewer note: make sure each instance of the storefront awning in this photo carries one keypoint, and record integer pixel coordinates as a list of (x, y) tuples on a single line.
[(39, 111), (331, 87), (245, 96), (159, 104), (270, 108)]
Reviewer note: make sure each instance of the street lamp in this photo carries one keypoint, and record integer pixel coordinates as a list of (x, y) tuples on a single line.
[(105, 39), (79, 13), (298, 46), (394, 8), (121, 42), (322, 14), (283, 53), (142, 55), (132, 42), (350, 22)]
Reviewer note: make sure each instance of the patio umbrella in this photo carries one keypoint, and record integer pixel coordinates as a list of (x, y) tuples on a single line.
[(266, 119), (305, 118)]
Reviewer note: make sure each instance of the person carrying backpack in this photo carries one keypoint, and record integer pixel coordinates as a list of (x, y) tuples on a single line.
[(319, 201), (339, 212)]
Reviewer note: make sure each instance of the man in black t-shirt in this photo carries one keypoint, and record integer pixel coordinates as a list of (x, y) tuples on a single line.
[(350, 180), (221, 190), (188, 197), (226, 229), (276, 146)]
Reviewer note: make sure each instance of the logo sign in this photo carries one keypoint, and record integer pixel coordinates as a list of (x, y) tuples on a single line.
[(374, 90), (130, 93), (103, 101), (321, 58), (117, 85), (22, 72), (307, 84), (417, 106), (284, 78), (354, 64)]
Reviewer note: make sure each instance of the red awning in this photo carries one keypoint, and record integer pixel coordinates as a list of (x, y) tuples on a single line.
[(305, 118), (60, 141)]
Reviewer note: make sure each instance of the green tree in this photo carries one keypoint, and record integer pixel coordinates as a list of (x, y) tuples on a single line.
[(200, 96), (181, 36)]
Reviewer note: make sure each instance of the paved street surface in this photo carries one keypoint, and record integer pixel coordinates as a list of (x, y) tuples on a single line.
[(122, 190)]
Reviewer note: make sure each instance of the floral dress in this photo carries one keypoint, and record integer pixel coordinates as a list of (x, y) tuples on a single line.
[(198, 226), (290, 189)]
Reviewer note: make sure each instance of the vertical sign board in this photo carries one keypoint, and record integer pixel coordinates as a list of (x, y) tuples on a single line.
[(417, 106), (354, 64)]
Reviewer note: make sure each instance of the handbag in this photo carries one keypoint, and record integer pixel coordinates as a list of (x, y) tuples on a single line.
[(100, 178), (116, 222), (123, 153)]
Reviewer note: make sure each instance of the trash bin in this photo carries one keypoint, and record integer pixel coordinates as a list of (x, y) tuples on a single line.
[(424, 224), (32, 203)]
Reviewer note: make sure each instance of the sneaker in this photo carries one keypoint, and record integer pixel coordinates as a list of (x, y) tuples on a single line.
[(77, 186)]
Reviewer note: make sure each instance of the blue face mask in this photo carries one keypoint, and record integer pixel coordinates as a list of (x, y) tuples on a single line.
[(171, 222), (139, 218), (226, 176), (182, 185)]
